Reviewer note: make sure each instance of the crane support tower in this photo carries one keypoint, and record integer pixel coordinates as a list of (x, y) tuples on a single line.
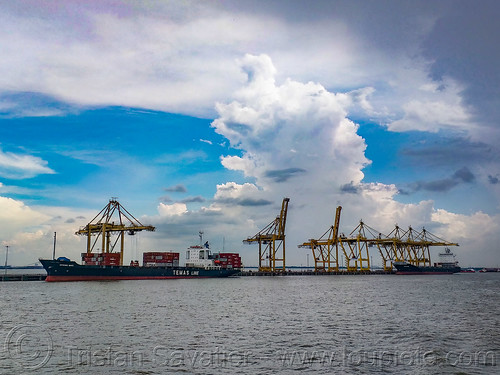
[(271, 242), (113, 219), (325, 249), (355, 248)]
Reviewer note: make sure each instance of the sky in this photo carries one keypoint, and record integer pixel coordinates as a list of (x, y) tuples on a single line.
[(204, 115)]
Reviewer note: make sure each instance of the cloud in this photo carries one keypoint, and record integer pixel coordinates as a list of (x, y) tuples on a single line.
[(406, 75), (206, 141), (15, 215), (182, 158), (234, 194), (179, 188), (349, 188), (439, 107), (247, 202), (475, 232), (440, 151), (282, 175), (111, 72), (20, 166), (463, 175), (470, 59), (31, 104), (165, 199), (463, 226), (283, 129), (237, 163), (197, 199), (437, 185), (361, 98), (30, 230), (493, 179), (172, 209)]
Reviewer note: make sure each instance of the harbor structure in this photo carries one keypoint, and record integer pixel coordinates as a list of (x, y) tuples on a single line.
[(271, 240)]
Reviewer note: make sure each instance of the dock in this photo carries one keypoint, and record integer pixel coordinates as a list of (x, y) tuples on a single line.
[(313, 273), (23, 277)]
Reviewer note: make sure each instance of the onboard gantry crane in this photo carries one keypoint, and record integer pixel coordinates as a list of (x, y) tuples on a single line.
[(113, 219), (271, 241)]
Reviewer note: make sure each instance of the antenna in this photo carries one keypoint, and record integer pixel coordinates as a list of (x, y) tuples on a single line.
[(200, 233)]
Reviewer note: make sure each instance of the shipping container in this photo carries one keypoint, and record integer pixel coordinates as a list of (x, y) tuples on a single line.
[(160, 259), (228, 260), (111, 259)]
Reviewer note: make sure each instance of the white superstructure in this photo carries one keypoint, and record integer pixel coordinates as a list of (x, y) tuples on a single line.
[(200, 256), (447, 259)]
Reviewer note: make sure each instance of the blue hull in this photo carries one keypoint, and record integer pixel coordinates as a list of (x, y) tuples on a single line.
[(63, 270), (410, 269)]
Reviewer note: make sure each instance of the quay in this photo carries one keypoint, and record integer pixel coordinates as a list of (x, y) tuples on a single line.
[(23, 277), (312, 273)]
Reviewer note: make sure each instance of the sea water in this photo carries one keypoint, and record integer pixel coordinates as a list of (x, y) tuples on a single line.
[(392, 324)]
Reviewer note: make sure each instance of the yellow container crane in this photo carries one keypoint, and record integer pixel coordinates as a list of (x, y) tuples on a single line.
[(271, 242), (113, 219), (325, 249)]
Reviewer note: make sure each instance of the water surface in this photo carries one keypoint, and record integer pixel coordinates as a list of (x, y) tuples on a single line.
[(437, 324)]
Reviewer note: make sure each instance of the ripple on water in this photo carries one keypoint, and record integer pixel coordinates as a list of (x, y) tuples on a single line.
[(349, 324)]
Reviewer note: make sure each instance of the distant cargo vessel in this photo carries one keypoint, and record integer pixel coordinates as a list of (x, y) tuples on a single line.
[(200, 263), (489, 270), (446, 265)]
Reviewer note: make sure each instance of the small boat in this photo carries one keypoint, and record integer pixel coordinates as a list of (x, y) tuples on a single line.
[(468, 270)]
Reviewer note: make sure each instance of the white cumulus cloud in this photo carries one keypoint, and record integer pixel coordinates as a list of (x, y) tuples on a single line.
[(19, 166), (172, 209), (284, 129)]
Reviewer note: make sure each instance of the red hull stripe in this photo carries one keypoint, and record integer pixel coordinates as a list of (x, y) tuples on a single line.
[(97, 278), (424, 273)]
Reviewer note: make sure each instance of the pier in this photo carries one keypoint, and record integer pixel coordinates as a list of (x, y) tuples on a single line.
[(23, 277), (313, 273)]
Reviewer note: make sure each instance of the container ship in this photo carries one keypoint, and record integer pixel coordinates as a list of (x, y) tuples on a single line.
[(115, 221), (201, 263), (446, 265)]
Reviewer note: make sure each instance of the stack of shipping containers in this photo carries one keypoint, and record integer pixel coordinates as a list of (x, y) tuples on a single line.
[(228, 260), (160, 259), (101, 259)]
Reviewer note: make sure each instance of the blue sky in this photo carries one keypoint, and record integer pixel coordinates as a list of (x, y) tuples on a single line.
[(101, 148), (204, 115)]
